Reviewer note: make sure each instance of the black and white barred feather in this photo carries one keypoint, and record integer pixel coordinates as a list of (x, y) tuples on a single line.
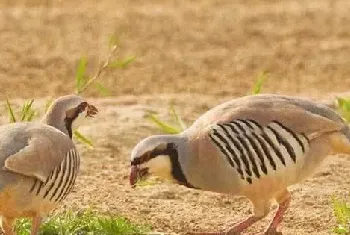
[(254, 150), (60, 181)]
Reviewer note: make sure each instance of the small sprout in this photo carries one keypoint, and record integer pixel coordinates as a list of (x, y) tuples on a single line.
[(26, 114), (258, 85)]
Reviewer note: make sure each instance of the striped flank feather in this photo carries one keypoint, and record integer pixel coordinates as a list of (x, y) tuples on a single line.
[(254, 150), (60, 181)]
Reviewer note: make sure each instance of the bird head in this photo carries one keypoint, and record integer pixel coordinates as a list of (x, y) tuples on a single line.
[(65, 110), (158, 156)]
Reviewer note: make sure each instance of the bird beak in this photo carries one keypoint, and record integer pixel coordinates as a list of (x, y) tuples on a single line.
[(133, 175), (91, 110), (137, 174)]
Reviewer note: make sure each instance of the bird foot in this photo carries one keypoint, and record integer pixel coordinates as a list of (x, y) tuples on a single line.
[(272, 233), (213, 233)]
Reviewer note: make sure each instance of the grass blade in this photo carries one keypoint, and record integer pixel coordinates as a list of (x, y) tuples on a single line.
[(177, 118), (27, 112), (10, 111), (31, 116), (81, 138), (344, 107), (162, 125), (48, 104), (342, 213), (258, 85), (83, 222), (80, 74)]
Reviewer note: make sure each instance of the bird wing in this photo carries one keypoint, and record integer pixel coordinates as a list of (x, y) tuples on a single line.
[(299, 115), (258, 135), (44, 151)]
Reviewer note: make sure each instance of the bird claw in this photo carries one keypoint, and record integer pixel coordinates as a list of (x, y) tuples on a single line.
[(231, 233), (272, 233), (213, 233)]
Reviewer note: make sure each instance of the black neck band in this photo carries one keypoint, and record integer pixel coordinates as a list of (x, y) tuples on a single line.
[(176, 167)]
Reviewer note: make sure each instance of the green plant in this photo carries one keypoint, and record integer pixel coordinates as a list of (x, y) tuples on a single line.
[(343, 106), (26, 114), (82, 82), (258, 84), (85, 222), (342, 213), (176, 126)]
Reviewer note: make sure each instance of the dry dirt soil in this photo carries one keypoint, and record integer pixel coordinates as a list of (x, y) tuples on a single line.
[(195, 54)]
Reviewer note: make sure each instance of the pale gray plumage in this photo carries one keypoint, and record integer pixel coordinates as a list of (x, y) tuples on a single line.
[(255, 146), (39, 162)]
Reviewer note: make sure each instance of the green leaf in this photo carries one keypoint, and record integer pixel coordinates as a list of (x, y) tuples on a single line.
[(258, 85), (10, 111), (48, 104), (122, 63), (162, 125), (102, 89), (80, 74), (344, 107), (27, 113), (81, 138), (178, 120)]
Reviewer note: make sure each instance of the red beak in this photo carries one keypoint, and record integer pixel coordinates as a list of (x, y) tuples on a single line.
[(133, 175)]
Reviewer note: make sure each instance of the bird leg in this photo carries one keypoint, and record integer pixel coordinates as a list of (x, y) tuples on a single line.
[(36, 225), (237, 229), (7, 225), (243, 225), (277, 219)]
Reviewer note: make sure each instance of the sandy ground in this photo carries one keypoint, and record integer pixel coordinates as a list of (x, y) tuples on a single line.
[(212, 50)]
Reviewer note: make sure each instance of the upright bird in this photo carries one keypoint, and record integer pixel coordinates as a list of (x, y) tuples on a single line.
[(255, 146), (39, 162)]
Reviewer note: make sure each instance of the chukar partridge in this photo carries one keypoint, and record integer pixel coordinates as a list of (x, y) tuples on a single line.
[(254, 146), (39, 163)]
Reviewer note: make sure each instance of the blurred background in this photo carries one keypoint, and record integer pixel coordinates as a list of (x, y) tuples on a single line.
[(205, 46)]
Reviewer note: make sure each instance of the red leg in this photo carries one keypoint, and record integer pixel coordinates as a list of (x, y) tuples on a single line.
[(261, 209), (243, 225), (36, 225), (236, 230), (277, 219), (7, 225)]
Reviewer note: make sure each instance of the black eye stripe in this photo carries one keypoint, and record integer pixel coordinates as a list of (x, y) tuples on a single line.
[(159, 150)]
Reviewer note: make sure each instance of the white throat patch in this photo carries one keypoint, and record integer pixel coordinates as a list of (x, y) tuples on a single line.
[(160, 166)]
